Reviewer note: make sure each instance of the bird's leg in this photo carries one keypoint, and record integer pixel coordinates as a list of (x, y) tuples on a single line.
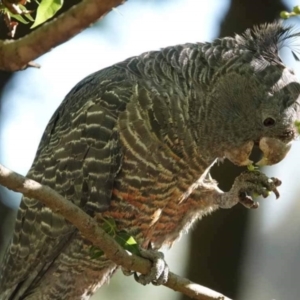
[(159, 272), (246, 185)]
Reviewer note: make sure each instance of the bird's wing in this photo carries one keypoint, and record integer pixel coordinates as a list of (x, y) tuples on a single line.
[(79, 156)]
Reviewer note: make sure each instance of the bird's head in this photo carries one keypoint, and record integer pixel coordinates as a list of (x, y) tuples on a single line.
[(257, 100)]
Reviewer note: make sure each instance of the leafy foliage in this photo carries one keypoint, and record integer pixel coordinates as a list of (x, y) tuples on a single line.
[(125, 240), (251, 167), (16, 10), (46, 10), (297, 124), (293, 13)]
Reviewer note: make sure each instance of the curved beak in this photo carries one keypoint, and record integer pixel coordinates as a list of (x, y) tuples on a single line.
[(240, 156), (274, 151)]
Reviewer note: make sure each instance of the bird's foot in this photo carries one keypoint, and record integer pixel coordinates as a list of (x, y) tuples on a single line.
[(159, 272), (247, 185)]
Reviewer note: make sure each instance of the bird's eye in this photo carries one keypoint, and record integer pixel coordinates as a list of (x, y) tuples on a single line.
[(269, 122)]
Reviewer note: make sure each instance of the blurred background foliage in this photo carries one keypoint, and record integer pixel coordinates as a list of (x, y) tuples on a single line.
[(243, 254)]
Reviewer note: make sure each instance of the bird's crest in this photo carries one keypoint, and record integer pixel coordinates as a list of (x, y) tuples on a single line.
[(265, 41)]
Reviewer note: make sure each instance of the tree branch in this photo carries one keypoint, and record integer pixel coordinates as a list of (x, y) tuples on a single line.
[(91, 231), (17, 54)]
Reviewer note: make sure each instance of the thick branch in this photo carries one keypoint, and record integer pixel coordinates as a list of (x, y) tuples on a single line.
[(91, 231), (16, 55)]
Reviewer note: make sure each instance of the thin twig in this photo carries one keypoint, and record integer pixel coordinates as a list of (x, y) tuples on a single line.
[(17, 54), (91, 231)]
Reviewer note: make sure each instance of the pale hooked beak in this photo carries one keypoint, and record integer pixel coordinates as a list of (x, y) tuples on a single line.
[(274, 151), (240, 156)]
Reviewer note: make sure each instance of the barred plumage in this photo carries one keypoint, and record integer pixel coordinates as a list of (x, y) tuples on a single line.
[(135, 142)]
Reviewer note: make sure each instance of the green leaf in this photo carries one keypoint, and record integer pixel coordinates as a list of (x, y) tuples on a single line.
[(251, 167), (131, 241), (46, 10), (296, 9), (95, 252), (285, 15), (18, 18), (124, 239), (109, 226), (297, 124), (28, 16), (127, 242)]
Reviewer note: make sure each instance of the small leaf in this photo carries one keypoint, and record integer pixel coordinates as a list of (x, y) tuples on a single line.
[(29, 17), (297, 124), (18, 18), (296, 9), (109, 226), (95, 252), (127, 242), (26, 13), (131, 241), (251, 167), (46, 10)]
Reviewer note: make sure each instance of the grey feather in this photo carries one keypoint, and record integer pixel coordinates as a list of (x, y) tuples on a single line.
[(135, 142)]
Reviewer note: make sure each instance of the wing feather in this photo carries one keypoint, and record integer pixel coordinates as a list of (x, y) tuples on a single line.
[(79, 156)]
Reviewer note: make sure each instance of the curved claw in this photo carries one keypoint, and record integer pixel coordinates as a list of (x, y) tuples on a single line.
[(247, 184), (127, 272), (277, 183), (256, 190), (247, 201)]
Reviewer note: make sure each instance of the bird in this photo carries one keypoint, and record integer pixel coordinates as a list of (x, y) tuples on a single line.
[(135, 142)]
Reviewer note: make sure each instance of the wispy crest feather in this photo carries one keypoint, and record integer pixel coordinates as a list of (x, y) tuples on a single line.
[(266, 40)]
